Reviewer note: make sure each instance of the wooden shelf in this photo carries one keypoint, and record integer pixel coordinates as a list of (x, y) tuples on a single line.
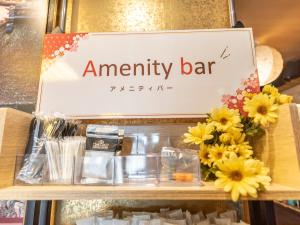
[(205, 192), (279, 149)]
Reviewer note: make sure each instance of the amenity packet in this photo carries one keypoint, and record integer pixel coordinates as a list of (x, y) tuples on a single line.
[(87, 221), (204, 222), (97, 167), (104, 138), (223, 221), (212, 216), (231, 214)]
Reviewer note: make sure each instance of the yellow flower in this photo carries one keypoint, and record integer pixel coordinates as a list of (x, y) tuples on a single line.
[(236, 176), (199, 133), (204, 155), (262, 109), (224, 118), (243, 150), (225, 138), (270, 90), (232, 136), (217, 153), (241, 177), (260, 171), (283, 99), (280, 98), (237, 136)]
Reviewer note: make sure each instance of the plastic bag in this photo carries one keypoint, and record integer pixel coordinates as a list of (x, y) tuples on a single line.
[(43, 128)]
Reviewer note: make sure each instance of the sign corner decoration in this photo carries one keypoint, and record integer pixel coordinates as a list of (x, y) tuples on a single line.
[(146, 75)]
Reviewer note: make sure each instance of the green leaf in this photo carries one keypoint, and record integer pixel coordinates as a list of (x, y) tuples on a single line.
[(252, 129), (208, 173)]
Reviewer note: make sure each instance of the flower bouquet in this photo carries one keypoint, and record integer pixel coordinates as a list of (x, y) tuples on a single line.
[(226, 155)]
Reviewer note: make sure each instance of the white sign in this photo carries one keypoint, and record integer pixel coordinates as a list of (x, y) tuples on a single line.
[(152, 74)]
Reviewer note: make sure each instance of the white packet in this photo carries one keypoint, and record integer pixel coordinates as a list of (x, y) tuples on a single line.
[(99, 219), (223, 221), (175, 214), (87, 221), (112, 222), (136, 218), (166, 223), (231, 214), (120, 222), (204, 222), (105, 222), (144, 222), (163, 211), (195, 218), (162, 219), (97, 164), (176, 221), (156, 221), (212, 216), (201, 215), (155, 215), (128, 220), (188, 218), (142, 216), (141, 213)]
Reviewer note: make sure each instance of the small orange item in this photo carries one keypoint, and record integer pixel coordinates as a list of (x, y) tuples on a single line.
[(184, 177), (188, 177)]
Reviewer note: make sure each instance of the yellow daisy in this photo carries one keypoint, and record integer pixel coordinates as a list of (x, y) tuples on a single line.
[(217, 153), (237, 176), (224, 118), (260, 171), (270, 90), (199, 133), (204, 155), (243, 150), (262, 109), (283, 99), (225, 138), (237, 135)]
